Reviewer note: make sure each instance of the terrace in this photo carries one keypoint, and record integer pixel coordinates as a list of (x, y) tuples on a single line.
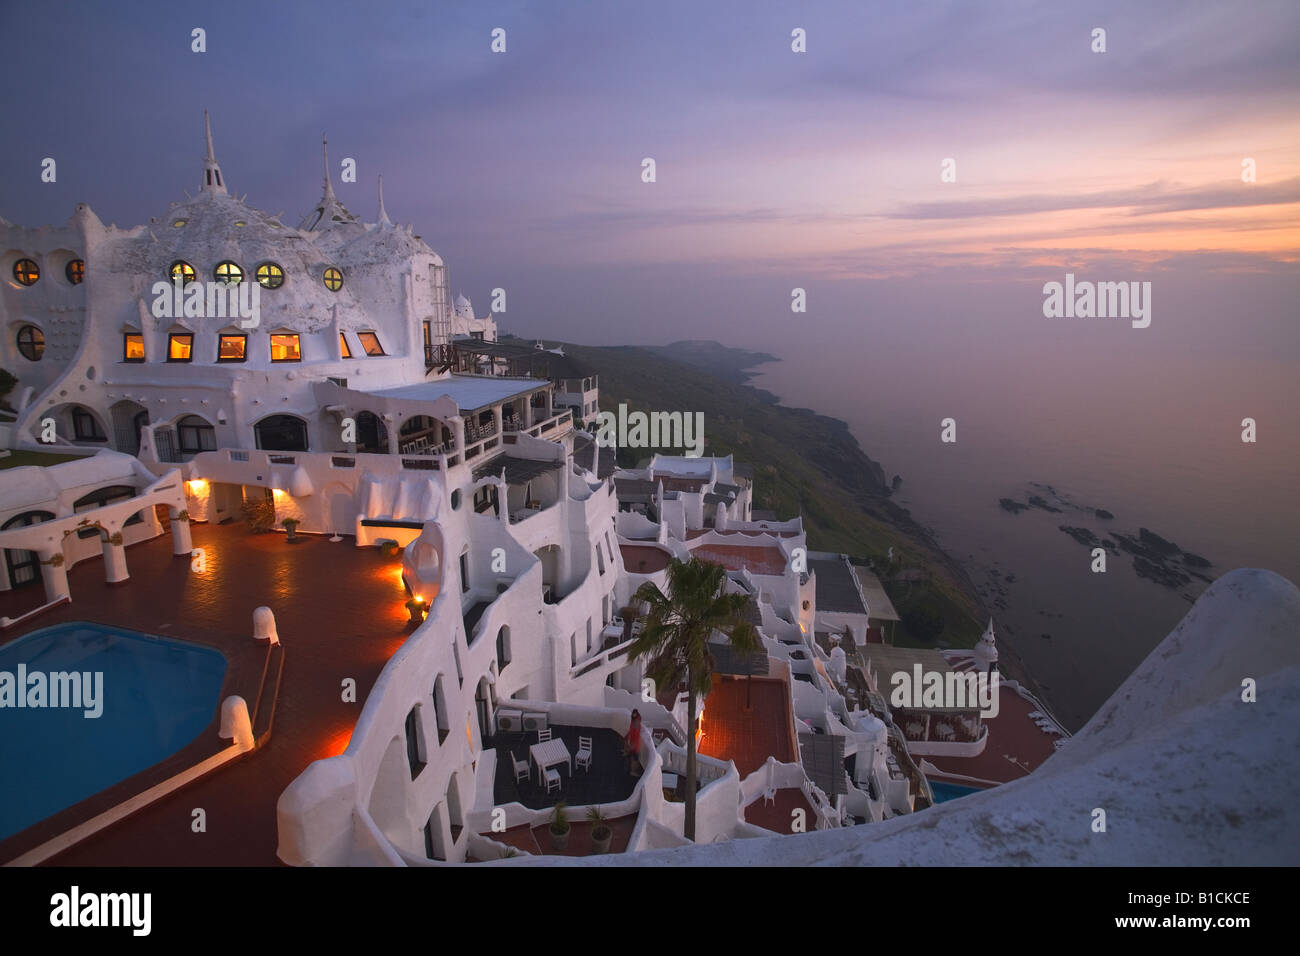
[(608, 780), (746, 721), (348, 626)]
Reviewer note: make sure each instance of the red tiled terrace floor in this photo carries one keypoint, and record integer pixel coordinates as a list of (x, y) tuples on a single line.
[(339, 613), (1016, 746), (778, 816), (733, 557), (748, 735)]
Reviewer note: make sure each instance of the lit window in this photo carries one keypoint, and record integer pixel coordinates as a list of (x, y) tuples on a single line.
[(284, 348), (180, 346), (177, 223), (270, 276), (370, 342), (31, 343), (240, 223), (333, 279), (27, 272), (75, 271), (180, 269), (344, 348), (230, 348), (132, 347), (228, 272)]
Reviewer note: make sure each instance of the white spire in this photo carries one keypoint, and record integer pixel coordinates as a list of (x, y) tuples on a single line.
[(383, 213), (325, 149), (213, 182)]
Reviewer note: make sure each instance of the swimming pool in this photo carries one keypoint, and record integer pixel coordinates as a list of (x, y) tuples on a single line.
[(943, 792), (157, 696)]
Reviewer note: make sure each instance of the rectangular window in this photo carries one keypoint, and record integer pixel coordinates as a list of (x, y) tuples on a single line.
[(180, 346), (344, 349), (464, 572), (231, 348), (284, 348), (370, 342), (132, 347)]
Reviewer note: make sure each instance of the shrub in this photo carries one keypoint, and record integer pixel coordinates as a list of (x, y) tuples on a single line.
[(259, 515)]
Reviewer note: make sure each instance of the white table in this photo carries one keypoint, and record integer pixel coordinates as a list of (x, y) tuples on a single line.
[(547, 754)]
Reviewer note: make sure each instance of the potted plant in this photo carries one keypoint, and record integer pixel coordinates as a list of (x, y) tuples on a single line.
[(601, 833), (291, 525), (559, 827), (416, 607), (389, 549)]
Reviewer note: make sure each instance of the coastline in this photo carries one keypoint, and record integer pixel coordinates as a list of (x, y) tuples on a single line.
[(805, 463), (1010, 663)]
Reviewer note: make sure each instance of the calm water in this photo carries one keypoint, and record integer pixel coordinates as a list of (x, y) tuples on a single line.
[(1153, 437), (158, 695)]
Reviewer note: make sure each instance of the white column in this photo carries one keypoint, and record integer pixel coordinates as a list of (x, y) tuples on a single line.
[(182, 542), (115, 561), (54, 574)]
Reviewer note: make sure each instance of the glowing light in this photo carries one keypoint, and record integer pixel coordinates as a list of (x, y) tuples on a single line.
[(278, 492), (197, 485)]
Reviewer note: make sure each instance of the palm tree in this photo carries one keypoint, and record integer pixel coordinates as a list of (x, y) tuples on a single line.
[(676, 636)]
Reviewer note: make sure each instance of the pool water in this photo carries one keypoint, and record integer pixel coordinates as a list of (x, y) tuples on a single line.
[(157, 696), (943, 792)]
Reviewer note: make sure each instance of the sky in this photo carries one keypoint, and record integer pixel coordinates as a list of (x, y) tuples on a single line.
[(774, 169)]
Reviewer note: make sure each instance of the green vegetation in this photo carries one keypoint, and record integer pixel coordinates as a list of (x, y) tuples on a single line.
[(804, 463), (675, 642), (41, 459)]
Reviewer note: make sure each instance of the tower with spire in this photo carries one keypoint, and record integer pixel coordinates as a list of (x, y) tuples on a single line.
[(329, 210), (986, 651), (213, 182)]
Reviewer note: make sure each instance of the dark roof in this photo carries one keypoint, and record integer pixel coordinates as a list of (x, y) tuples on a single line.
[(518, 470), (585, 450), (541, 362), (711, 499), (728, 660), (631, 488), (823, 761), (723, 488), (836, 588)]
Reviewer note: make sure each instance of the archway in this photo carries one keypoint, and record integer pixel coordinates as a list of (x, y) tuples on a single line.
[(372, 434), (195, 434), (128, 419), (23, 567), (281, 433)]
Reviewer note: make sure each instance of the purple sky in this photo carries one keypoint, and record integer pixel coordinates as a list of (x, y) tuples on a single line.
[(775, 169)]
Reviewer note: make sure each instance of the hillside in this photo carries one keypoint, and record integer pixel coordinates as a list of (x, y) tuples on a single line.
[(804, 463)]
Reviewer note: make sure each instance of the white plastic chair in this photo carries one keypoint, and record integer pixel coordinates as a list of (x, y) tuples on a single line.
[(521, 768), (583, 757), (552, 780), (544, 735)]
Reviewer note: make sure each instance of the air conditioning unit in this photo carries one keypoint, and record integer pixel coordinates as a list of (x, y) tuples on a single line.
[(534, 722), (509, 722)]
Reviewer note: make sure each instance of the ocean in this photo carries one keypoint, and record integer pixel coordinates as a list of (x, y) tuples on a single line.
[(1152, 436)]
